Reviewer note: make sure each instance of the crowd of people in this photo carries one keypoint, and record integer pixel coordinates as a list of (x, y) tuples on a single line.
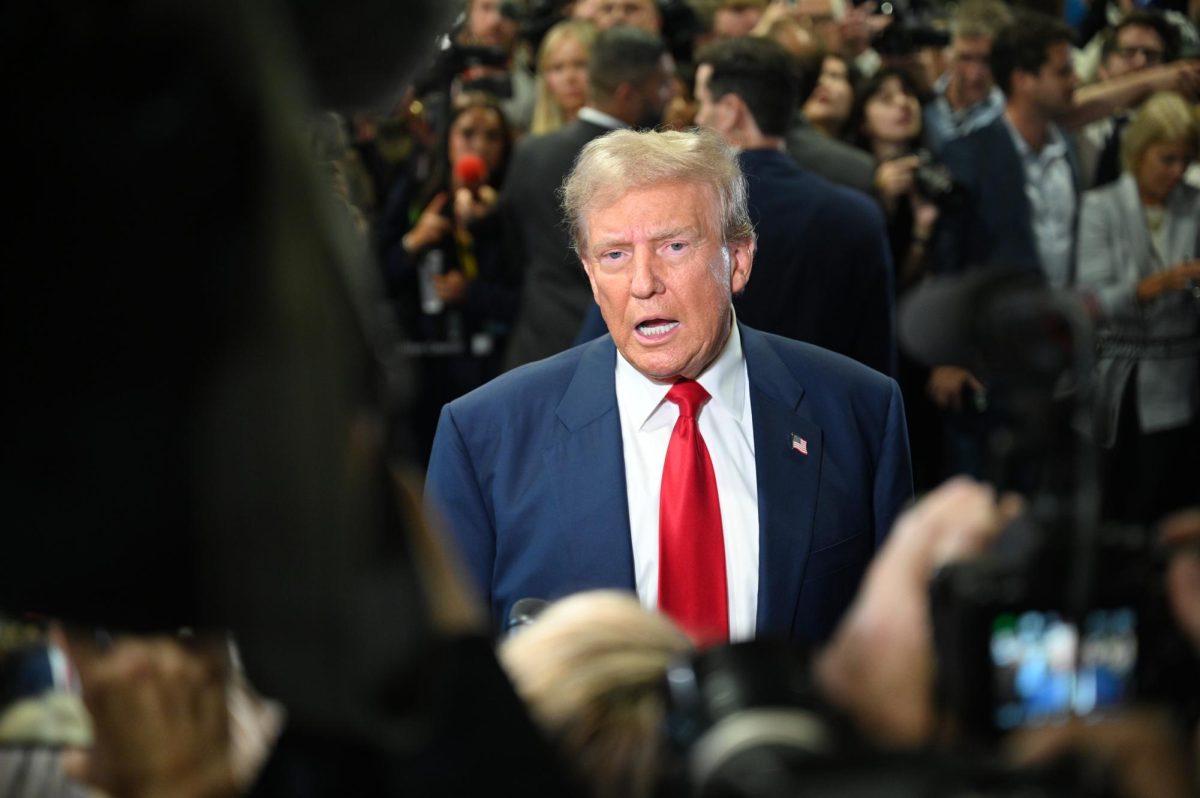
[(625, 283), (917, 145)]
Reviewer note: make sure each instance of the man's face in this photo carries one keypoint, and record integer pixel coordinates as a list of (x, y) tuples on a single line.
[(971, 73), (485, 24), (664, 277), (1052, 90), (641, 14), (1137, 47)]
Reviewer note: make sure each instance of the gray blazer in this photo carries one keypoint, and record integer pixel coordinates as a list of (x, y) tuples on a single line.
[(1114, 254)]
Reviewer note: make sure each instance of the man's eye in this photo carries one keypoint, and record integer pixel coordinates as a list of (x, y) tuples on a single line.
[(677, 246), (611, 255)]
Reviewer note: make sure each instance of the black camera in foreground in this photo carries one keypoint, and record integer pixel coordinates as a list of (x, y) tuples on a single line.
[(746, 721), (1066, 616), (1022, 642)]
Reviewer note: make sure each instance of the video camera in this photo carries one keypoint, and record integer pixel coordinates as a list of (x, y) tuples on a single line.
[(912, 28), (1066, 615), (477, 68), (746, 721)]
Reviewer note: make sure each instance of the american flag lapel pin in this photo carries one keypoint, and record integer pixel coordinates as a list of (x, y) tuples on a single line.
[(799, 444)]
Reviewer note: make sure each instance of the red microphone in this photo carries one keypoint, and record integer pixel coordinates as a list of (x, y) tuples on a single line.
[(472, 171)]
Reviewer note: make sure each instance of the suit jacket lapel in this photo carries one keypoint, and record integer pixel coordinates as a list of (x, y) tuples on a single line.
[(586, 465), (788, 482), (1133, 221)]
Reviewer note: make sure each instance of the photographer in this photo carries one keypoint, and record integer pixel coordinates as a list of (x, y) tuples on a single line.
[(886, 122), (491, 27)]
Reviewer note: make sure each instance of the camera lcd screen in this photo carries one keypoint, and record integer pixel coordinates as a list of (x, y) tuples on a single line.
[(1044, 670)]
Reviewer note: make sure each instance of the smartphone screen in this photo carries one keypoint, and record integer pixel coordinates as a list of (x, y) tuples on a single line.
[(1045, 668)]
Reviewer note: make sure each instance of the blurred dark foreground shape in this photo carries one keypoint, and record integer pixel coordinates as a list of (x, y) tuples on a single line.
[(193, 375)]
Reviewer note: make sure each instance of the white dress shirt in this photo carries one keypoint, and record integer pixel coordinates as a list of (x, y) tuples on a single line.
[(647, 419), (1050, 188)]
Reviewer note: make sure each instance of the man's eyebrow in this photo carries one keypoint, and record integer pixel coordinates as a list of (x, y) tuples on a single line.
[(686, 231)]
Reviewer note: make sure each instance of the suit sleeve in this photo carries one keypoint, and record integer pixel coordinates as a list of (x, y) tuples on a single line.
[(455, 503), (893, 471)]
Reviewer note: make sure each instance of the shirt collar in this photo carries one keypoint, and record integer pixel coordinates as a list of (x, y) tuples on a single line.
[(942, 85), (1056, 145), (724, 379), (589, 114)]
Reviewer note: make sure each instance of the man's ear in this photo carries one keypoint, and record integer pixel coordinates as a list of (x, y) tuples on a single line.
[(741, 260), (731, 111)]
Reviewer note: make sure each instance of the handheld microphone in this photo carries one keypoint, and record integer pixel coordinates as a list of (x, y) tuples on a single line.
[(524, 612), (472, 171)]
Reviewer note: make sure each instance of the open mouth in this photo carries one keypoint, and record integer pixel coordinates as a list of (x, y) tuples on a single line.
[(656, 329)]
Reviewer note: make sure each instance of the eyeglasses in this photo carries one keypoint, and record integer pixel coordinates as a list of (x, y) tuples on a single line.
[(1151, 54)]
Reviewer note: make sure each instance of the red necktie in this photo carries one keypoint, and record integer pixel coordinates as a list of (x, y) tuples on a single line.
[(691, 547)]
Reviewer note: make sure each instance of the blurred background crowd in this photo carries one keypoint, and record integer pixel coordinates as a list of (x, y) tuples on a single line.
[(188, 301), (480, 277)]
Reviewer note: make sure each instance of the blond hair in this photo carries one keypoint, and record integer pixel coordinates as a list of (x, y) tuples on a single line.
[(1165, 117), (547, 113), (592, 670), (616, 162)]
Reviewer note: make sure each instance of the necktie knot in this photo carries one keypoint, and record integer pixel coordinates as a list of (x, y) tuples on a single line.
[(689, 395)]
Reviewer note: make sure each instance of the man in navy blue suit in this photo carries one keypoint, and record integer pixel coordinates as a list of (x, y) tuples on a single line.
[(555, 477), (823, 265)]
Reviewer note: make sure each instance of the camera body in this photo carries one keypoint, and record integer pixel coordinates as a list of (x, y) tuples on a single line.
[(1020, 643), (935, 182), (747, 721)]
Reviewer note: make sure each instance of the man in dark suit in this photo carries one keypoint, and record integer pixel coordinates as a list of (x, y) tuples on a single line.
[(1020, 180), (566, 474), (824, 270), (1019, 173), (630, 77)]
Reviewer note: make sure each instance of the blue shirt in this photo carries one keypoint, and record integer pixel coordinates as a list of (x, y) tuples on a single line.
[(944, 124), (1050, 188)]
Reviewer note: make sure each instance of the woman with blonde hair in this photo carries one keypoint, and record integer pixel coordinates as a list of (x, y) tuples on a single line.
[(591, 669), (562, 80), (1138, 264)]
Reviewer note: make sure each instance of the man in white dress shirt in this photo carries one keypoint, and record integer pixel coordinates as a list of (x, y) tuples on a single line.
[(736, 480)]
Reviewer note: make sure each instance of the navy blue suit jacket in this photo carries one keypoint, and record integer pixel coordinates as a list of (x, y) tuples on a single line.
[(528, 475), (822, 268), (994, 226)]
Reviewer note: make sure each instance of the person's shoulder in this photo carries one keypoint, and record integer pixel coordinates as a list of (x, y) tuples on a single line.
[(823, 192), (846, 209), (981, 138), (833, 373), (1106, 194), (554, 151)]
